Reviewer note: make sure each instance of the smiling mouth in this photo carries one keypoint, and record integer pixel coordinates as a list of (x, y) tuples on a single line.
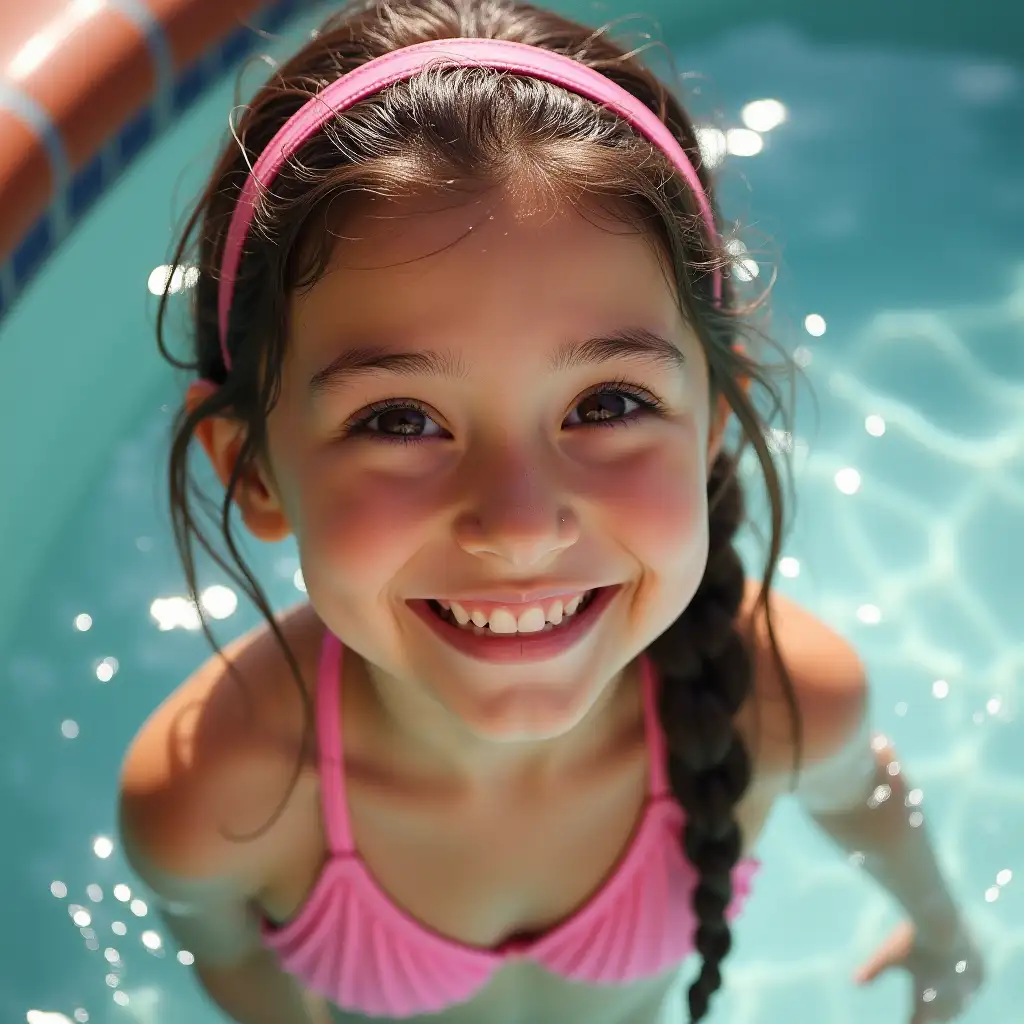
[(539, 641), (446, 615)]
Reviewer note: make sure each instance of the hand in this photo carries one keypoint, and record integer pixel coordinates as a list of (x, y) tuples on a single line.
[(945, 969)]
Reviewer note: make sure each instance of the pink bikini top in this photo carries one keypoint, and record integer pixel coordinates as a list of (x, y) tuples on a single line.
[(352, 944)]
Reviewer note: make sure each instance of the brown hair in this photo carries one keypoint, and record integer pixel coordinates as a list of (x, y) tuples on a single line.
[(461, 131)]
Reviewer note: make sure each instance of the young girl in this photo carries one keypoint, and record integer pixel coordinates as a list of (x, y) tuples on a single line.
[(464, 327)]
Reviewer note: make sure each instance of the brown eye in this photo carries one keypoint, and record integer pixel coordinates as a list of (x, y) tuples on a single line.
[(403, 420), (395, 419), (604, 405), (609, 406)]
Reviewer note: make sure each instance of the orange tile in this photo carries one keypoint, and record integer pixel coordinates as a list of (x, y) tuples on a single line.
[(23, 22), (25, 181), (93, 83), (193, 25)]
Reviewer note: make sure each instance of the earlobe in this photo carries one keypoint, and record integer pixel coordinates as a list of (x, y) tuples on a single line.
[(222, 438), (263, 517)]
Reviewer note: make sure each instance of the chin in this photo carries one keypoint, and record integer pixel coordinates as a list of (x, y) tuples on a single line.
[(523, 714)]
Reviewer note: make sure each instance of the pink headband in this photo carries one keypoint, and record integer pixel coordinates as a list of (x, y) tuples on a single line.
[(403, 64)]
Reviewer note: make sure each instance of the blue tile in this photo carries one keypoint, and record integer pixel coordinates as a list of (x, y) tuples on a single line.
[(86, 187), (277, 14), (238, 45), (190, 85), (134, 136), (34, 249)]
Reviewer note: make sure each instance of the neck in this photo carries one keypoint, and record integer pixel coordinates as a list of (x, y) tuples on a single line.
[(434, 742)]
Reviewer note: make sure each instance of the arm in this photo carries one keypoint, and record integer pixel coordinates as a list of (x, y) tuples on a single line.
[(863, 807), (860, 801), (844, 769), (214, 918), (846, 786), (256, 991), (204, 755)]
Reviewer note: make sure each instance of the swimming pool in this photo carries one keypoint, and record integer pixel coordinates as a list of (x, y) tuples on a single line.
[(893, 191)]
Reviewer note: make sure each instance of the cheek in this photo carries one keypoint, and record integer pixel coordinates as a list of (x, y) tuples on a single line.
[(659, 515), (657, 506), (356, 539)]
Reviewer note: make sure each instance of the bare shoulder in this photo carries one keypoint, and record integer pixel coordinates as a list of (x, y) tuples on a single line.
[(824, 684), (217, 757)]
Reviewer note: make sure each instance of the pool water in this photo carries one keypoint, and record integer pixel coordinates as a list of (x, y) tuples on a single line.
[(892, 196)]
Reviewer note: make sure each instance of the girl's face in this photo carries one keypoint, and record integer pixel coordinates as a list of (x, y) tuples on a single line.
[(532, 458)]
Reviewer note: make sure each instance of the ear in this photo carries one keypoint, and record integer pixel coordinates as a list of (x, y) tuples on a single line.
[(255, 492)]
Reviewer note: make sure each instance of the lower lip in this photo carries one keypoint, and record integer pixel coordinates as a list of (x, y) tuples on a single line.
[(519, 648)]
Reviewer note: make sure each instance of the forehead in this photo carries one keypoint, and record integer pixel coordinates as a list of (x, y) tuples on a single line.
[(458, 268)]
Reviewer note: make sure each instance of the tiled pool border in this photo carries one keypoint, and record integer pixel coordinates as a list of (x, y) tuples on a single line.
[(176, 80)]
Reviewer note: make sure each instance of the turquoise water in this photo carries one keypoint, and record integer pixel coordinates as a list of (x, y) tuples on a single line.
[(893, 195)]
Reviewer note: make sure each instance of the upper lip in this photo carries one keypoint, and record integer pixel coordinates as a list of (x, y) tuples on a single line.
[(518, 595)]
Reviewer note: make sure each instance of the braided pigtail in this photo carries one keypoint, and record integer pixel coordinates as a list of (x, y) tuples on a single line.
[(706, 676)]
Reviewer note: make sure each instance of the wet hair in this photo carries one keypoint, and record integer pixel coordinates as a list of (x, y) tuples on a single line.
[(460, 132)]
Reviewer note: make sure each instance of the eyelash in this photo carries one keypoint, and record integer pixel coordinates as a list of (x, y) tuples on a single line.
[(648, 402)]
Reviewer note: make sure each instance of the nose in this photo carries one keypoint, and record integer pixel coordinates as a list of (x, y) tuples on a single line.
[(519, 517)]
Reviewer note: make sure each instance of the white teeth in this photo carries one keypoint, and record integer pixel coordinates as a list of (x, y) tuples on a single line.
[(502, 621)]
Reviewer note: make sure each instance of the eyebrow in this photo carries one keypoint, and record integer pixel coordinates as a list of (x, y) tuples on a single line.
[(627, 343)]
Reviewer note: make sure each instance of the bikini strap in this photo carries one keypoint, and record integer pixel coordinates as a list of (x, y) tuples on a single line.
[(332, 754), (656, 745)]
